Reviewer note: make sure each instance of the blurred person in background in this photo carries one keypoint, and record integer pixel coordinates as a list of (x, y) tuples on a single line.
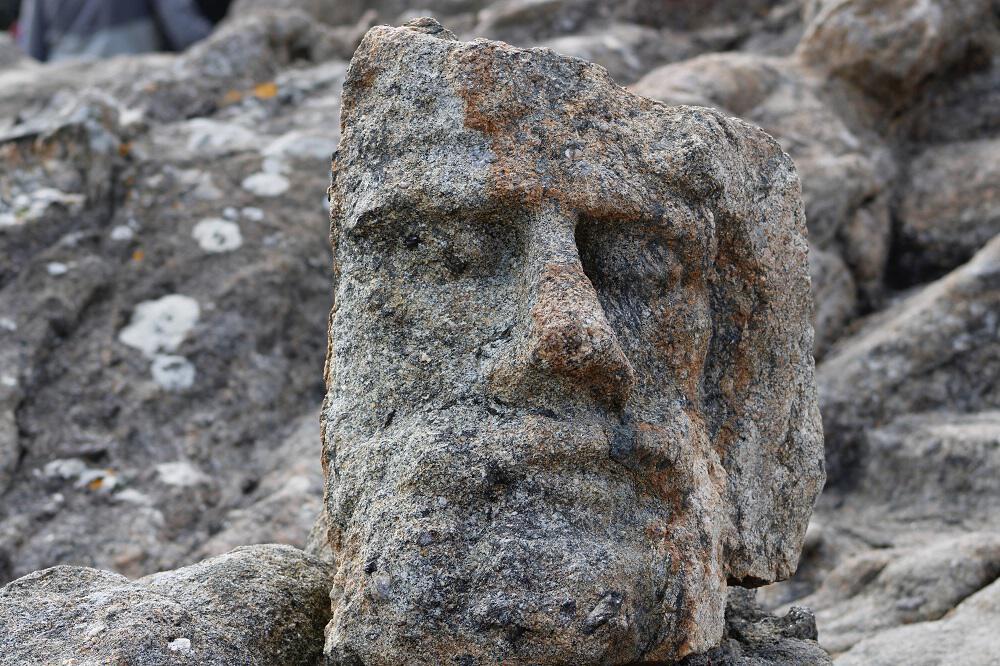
[(51, 30), (8, 14)]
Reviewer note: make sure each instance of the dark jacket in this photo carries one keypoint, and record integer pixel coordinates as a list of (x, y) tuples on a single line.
[(62, 29)]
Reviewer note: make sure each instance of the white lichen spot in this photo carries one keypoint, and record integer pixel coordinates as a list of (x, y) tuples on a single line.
[(253, 213), (173, 373), (8, 324), (212, 136), (181, 473), (9, 381), (230, 213), (181, 645), (8, 220), (133, 496), (64, 468), (57, 268), (266, 184), (160, 325), (122, 232), (300, 144), (217, 235)]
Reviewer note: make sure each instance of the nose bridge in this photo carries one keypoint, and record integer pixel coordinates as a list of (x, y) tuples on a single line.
[(567, 334)]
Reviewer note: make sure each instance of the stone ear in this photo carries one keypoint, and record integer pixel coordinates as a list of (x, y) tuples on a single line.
[(759, 361)]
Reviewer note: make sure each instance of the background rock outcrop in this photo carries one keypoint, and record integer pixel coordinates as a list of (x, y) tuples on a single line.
[(127, 183)]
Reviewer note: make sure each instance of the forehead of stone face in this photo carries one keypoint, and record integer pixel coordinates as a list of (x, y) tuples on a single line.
[(434, 123)]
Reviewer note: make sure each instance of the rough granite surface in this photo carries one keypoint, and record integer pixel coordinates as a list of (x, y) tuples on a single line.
[(570, 381), (255, 605)]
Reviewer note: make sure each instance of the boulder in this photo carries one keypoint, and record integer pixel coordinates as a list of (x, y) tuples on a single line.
[(965, 636), (255, 605), (890, 47), (569, 380), (949, 207), (933, 351), (873, 592)]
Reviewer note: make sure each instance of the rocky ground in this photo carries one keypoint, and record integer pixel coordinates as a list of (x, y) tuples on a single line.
[(166, 285)]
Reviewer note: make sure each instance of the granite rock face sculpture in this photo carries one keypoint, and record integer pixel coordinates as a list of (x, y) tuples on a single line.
[(570, 393)]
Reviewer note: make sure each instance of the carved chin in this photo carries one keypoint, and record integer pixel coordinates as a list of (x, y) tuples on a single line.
[(530, 555), (566, 596)]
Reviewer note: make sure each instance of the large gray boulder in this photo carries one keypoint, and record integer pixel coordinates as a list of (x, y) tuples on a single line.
[(934, 351), (880, 589), (256, 605), (890, 47), (966, 636), (949, 208), (570, 394)]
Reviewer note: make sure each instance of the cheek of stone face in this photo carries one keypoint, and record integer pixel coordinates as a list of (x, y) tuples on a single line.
[(412, 338)]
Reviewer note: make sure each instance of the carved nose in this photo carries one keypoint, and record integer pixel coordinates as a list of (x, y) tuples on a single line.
[(564, 336), (569, 335)]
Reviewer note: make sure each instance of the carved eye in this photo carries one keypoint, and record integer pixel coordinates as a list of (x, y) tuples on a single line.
[(628, 259), (440, 249)]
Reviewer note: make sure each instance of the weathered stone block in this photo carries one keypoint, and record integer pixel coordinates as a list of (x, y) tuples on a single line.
[(570, 383)]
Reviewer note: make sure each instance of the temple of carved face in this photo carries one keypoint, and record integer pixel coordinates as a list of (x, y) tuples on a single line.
[(570, 378)]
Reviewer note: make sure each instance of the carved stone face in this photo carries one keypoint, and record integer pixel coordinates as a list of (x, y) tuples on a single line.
[(570, 387)]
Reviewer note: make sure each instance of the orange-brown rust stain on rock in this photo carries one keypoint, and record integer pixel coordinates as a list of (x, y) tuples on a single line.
[(364, 69), (491, 109), (743, 372), (530, 167)]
